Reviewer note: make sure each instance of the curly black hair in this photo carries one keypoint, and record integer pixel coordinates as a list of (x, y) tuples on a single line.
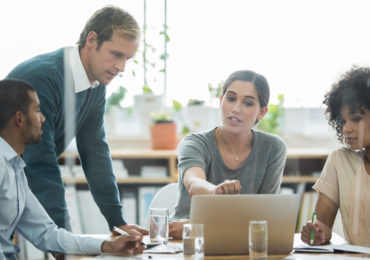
[(353, 89)]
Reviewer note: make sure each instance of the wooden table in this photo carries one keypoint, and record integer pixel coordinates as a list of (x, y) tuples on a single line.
[(336, 240)]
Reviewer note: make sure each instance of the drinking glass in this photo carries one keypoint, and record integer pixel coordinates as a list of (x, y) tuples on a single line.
[(158, 231), (193, 241), (257, 239)]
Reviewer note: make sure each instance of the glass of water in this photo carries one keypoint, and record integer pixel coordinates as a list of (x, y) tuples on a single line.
[(257, 239), (158, 231), (193, 241)]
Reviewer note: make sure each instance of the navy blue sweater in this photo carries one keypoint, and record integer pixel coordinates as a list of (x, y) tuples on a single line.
[(46, 74)]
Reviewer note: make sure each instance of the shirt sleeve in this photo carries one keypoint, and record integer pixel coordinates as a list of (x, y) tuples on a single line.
[(2, 256), (191, 153), (327, 184), (7, 211), (41, 159), (97, 164), (275, 168), (37, 227)]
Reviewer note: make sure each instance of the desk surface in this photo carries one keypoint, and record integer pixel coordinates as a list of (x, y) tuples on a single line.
[(336, 240)]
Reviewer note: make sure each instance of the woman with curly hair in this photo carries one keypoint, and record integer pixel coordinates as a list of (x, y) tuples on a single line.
[(344, 183)]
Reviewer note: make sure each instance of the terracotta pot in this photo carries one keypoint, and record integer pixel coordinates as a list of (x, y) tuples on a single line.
[(164, 136)]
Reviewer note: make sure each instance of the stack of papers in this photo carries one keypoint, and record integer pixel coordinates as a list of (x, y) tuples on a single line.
[(153, 172), (164, 249)]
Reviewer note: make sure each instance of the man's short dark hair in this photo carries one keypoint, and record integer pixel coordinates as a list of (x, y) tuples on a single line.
[(14, 97)]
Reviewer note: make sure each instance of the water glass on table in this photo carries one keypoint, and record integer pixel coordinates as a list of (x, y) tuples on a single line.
[(193, 241), (158, 231), (257, 239)]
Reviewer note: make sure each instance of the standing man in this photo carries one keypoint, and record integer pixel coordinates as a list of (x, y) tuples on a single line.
[(77, 77)]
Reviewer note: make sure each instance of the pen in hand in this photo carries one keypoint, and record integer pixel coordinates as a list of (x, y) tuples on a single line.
[(124, 233), (313, 222)]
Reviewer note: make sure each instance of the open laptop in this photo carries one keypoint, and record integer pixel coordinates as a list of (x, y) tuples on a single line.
[(226, 221)]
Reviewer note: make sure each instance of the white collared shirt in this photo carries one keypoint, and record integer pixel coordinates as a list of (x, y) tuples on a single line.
[(79, 74), (21, 211)]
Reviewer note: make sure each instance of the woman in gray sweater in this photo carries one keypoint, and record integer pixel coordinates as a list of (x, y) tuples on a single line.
[(232, 158)]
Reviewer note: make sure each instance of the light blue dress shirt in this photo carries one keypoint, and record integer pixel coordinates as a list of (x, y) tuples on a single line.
[(21, 211)]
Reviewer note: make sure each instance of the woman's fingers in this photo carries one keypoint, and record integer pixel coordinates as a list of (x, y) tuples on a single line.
[(231, 187), (319, 237), (225, 186), (228, 187)]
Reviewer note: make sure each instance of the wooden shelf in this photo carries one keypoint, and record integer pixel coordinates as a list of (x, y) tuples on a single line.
[(300, 153), (133, 180), (135, 154), (308, 153), (171, 156), (139, 180), (299, 179)]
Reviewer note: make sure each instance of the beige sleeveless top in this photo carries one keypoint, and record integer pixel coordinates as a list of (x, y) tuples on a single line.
[(345, 181)]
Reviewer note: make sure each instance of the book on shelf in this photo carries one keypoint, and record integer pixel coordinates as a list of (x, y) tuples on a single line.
[(129, 203), (93, 222), (119, 168), (304, 211), (286, 190), (146, 195), (21, 243), (72, 205), (153, 172)]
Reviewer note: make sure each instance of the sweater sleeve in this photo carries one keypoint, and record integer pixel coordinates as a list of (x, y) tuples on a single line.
[(42, 169), (192, 152), (97, 164), (275, 167)]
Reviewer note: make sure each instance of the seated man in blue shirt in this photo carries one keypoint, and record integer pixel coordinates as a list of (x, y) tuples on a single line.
[(21, 124)]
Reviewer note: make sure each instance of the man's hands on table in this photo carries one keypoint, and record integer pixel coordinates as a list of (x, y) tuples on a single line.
[(125, 244), (128, 227)]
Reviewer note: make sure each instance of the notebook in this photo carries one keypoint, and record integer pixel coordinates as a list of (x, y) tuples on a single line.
[(331, 248)]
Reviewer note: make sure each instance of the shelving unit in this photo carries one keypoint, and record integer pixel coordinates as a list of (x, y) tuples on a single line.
[(300, 164), (137, 154), (303, 161)]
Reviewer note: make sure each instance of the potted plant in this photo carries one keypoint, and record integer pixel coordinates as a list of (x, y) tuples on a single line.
[(112, 110), (163, 131), (115, 99), (177, 107)]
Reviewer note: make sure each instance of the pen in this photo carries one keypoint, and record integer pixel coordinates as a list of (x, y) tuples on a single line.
[(313, 222), (118, 230)]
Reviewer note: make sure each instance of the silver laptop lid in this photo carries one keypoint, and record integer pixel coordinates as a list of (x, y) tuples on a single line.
[(226, 221)]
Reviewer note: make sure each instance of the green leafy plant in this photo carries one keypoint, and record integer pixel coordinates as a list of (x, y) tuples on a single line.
[(195, 102), (177, 107), (148, 47), (146, 89), (162, 117), (215, 92), (271, 120), (116, 98)]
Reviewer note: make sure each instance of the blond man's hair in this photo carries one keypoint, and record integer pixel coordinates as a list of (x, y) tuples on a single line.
[(108, 20)]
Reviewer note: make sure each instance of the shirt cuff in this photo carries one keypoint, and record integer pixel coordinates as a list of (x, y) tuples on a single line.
[(94, 246)]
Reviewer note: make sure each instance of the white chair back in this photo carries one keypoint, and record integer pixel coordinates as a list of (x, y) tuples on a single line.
[(165, 198)]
